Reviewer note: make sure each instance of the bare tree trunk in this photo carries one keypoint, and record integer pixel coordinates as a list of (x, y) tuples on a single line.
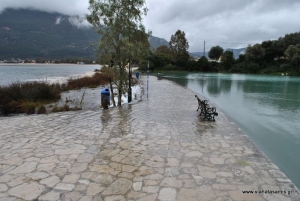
[(112, 92), (120, 86), (120, 94)]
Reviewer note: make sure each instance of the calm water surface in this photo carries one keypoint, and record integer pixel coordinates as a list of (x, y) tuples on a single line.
[(37, 72), (266, 108)]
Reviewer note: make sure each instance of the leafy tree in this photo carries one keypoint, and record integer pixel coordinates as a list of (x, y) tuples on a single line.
[(164, 54), (163, 49), (179, 46), (296, 62), (296, 59), (291, 51), (253, 68), (215, 52), (123, 36), (203, 64), (227, 60), (178, 42), (182, 60), (241, 59), (255, 53), (270, 51)]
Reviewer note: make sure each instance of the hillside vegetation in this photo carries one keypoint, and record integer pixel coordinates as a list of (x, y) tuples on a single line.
[(32, 34), (279, 57)]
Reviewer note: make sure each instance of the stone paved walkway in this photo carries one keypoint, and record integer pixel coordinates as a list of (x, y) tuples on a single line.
[(157, 149)]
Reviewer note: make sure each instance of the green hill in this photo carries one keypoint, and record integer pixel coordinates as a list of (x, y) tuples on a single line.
[(30, 34)]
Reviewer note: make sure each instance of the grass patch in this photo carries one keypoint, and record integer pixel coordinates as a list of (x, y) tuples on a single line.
[(25, 97), (29, 97), (41, 109), (64, 108), (243, 163), (92, 82)]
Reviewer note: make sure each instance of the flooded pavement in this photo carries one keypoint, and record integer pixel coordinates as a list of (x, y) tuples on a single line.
[(156, 149)]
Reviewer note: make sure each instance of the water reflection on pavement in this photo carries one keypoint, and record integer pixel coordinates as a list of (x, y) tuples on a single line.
[(157, 149)]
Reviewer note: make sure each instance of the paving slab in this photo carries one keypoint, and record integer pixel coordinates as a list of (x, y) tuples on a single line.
[(157, 148)]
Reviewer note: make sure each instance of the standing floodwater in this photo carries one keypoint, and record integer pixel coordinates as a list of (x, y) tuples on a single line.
[(267, 108), (41, 72)]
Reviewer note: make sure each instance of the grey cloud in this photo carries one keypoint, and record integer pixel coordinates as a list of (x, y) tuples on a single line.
[(67, 7), (58, 20), (79, 22), (231, 23)]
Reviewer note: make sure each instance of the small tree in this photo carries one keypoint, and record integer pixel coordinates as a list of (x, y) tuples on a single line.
[(123, 36), (163, 49), (203, 64), (179, 46), (227, 60), (165, 55), (291, 51), (255, 53), (215, 52)]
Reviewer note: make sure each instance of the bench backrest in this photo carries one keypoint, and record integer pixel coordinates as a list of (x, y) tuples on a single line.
[(198, 99)]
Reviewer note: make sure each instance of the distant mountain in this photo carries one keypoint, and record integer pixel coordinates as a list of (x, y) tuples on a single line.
[(30, 34), (155, 42)]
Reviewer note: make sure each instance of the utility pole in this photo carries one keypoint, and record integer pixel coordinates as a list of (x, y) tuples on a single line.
[(147, 79), (204, 49), (129, 84)]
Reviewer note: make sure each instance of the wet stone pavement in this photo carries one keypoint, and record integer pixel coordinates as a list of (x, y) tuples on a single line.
[(157, 149)]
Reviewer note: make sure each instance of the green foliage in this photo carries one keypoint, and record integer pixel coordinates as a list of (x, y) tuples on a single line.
[(291, 51), (16, 96), (170, 67), (296, 60), (255, 53), (25, 97), (241, 59), (179, 44), (163, 50), (28, 107), (123, 36), (227, 60), (253, 68), (265, 58), (215, 52), (96, 80), (182, 59), (41, 109), (238, 68), (203, 64)]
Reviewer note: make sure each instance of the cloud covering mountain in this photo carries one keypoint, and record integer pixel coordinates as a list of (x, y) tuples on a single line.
[(230, 24)]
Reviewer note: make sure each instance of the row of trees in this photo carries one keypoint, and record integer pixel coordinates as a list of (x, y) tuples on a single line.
[(124, 39), (269, 57)]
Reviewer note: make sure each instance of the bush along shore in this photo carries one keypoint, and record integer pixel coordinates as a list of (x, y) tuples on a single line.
[(31, 97)]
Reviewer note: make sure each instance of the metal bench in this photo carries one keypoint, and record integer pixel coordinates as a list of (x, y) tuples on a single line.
[(160, 76), (208, 112)]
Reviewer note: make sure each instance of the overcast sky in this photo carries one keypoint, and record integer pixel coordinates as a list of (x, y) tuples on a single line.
[(230, 23)]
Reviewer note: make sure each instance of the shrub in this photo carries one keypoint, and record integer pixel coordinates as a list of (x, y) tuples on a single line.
[(28, 107), (96, 80), (238, 68), (21, 97), (41, 109)]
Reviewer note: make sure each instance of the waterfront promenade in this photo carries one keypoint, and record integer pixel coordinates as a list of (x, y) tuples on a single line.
[(155, 150)]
